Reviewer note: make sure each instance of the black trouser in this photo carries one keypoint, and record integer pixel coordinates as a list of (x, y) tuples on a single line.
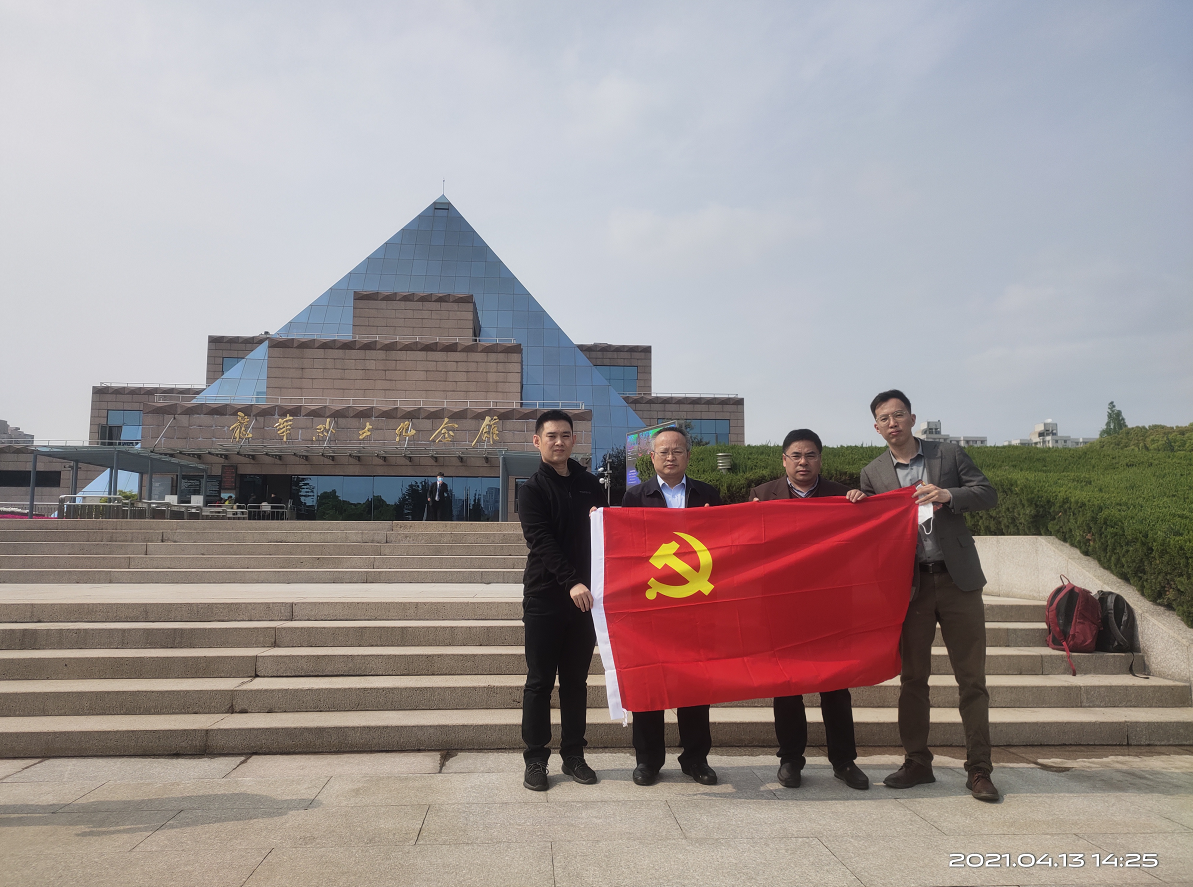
[(556, 644), (441, 510), (650, 747), (791, 728)]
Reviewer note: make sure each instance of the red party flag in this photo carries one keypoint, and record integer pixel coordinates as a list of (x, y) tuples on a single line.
[(704, 605)]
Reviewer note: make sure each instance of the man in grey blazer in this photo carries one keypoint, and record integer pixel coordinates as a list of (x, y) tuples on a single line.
[(946, 588)]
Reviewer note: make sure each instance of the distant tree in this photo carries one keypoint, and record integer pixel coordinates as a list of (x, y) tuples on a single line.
[(1114, 421)]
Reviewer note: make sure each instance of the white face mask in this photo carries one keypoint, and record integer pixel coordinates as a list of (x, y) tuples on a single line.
[(925, 518)]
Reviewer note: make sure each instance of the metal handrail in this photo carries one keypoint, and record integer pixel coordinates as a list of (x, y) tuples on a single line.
[(149, 385), (378, 402), (348, 337), (677, 394)]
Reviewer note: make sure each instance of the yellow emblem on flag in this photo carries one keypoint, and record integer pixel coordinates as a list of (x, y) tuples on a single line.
[(697, 580)]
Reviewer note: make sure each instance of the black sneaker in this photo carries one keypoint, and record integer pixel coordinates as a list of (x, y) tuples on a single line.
[(579, 771), (536, 777)]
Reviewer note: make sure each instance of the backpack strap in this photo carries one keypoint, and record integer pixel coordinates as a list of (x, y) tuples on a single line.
[(1119, 636), (1069, 656)]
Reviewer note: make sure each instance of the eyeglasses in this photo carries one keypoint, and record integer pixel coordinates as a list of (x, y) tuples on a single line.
[(802, 457), (666, 453), (888, 418)]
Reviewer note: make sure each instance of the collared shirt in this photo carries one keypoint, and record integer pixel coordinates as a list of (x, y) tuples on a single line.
[(797, 493), (910, 473), (676, 496)]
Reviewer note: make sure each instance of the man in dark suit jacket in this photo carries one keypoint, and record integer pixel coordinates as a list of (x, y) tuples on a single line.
[(439, 500), (801, 480), (946, 588), (670, 450)]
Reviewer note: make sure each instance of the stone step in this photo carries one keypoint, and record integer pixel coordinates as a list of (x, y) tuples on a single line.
[(216, 526), (258, 577), (448, 660), (423, 548), (292, 732), (217, 560), (190, 609), (19, 665), (277, 532), (121, 635), (334, 633), (256, 611), (35, 698)]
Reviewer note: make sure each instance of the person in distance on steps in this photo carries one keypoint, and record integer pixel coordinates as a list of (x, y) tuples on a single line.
[(801, 480), (439, 500), (670, 450), (553, 507), (946, 588)]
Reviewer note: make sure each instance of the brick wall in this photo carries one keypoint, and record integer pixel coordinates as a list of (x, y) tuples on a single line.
[(111, 397), (219, 347), (638, 356), (429, 315), (394, 370), (653, 408)]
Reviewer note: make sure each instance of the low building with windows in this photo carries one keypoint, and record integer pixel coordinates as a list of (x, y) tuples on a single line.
[(931, 430), (1047, 434), (428, 356)]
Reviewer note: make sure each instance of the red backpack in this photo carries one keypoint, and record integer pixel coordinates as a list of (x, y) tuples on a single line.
[(1074, 618)]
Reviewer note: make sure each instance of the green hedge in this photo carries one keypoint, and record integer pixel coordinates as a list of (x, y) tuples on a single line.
[(1160, 438), (1129, 509)]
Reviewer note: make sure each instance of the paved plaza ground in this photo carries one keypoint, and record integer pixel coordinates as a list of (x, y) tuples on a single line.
[(431, 818)]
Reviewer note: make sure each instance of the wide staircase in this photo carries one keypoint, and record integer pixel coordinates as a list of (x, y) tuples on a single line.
[(224, 551), (203, 668)]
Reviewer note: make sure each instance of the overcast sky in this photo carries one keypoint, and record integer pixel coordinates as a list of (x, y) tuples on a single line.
[(989, 205)]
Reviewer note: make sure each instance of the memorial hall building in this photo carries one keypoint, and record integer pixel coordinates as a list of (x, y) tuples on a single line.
[(429, 356)]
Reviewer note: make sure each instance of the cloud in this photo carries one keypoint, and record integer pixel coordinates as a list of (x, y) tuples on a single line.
[(714, 236)]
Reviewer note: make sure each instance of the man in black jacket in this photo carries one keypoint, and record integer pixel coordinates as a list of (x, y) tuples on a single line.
[(670, 450), (553, 507), (801, 480)]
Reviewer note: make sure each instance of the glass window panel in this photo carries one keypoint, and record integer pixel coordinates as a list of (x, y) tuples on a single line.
[(115, 417)]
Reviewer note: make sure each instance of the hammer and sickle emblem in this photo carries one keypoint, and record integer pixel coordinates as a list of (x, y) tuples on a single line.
[(696, 580)]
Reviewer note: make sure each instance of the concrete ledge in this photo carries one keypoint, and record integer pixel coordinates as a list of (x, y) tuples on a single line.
[(1030, 567), (492, 729)]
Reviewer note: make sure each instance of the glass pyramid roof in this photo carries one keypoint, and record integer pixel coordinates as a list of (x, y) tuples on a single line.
[(439, 252)]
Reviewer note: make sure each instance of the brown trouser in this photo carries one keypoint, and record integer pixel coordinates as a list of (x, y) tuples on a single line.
[(963, 627)]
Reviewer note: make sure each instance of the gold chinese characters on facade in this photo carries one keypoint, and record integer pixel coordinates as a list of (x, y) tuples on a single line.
[(443, 433), (240, 428), (284, 426), (325, 430), (488, 433)]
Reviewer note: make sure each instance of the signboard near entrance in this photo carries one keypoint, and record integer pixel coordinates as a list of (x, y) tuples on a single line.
[(228, 480), (637, 443)]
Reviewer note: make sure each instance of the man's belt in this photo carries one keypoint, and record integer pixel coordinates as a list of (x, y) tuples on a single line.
[(933, 567)]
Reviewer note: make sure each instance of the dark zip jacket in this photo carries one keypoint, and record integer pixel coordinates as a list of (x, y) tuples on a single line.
[(554, 513)]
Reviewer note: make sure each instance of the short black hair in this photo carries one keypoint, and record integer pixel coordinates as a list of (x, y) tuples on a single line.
[(883, 396), (803, 434), (439, 474), (552, 416)]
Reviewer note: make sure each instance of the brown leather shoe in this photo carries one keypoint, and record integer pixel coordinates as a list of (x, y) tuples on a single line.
[(908, 775), (981, 787)]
